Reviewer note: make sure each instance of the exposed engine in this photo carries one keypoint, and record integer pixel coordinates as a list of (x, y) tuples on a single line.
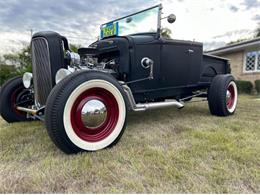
[(108, 62), (93, 62)]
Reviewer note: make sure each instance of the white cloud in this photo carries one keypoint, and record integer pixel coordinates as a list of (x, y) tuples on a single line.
[(205, 20), (214, 21), (13, 41)]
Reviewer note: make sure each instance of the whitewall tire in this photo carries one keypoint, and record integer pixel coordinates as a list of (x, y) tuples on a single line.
[(86, 112)]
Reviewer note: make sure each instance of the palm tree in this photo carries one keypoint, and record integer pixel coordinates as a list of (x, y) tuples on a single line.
[(166, 32)]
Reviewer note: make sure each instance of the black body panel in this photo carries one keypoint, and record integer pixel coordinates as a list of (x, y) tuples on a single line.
[(179, 66), (213, 66), (181, 58)]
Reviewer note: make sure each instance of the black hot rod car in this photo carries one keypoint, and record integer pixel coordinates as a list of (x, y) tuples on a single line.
[(84, 97)]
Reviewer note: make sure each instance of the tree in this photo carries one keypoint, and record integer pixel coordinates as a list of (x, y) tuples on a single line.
[(15, 64), (6, 72), (237, 41), (74, 47), (21, 60), (257, 31), (257, 34), (166, 33)]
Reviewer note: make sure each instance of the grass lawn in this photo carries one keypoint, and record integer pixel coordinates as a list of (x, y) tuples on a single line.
[(161, 151)]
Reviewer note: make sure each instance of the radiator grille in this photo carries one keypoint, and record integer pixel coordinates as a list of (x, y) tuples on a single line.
[(42, 78)]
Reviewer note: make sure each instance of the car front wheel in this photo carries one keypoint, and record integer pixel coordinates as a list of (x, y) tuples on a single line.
[(14, 94), (86, 111)]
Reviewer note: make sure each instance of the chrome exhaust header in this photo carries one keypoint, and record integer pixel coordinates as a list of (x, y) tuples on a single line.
[(148, 106), (28, 110), (34, 113), (155, 105)]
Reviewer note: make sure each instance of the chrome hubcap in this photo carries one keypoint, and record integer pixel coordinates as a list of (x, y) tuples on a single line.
[(93, 113), (228, 96)]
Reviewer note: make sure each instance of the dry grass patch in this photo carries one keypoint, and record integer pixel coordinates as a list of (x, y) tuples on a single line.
[(162, 151)]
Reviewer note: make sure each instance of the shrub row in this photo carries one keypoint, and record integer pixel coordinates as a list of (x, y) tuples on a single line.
[(244, 86), (257, 86), (247, 86)]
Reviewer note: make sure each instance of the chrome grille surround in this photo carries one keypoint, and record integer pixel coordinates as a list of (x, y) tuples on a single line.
[(42, 78)]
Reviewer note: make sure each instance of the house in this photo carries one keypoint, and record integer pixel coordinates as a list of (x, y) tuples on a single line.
[(244, 59)]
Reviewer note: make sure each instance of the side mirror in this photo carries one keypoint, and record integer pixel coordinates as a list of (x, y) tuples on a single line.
[(128, 20), (171, 18)]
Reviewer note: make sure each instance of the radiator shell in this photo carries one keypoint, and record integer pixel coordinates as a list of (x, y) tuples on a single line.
[(47, 59)]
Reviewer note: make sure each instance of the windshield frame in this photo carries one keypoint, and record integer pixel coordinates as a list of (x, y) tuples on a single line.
[(158, 22)]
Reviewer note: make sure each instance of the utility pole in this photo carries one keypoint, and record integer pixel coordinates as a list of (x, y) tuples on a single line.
[(31, 30)]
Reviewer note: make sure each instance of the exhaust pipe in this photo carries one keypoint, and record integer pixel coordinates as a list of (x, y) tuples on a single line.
[(28, 110), (155, 105), (37, 113), (149, 106)]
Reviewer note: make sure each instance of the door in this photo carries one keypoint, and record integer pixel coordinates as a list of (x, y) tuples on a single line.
[(179, 64)]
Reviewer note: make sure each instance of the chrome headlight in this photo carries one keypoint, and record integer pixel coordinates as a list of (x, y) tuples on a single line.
[(27, 79), (61, 74)]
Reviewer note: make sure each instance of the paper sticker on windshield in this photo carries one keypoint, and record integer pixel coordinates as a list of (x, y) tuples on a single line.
[(109, 30)]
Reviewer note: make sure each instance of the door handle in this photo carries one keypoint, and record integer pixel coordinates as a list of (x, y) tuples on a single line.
[(190, 51)]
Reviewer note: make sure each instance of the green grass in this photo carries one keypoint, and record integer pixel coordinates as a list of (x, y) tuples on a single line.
[(161, 151)]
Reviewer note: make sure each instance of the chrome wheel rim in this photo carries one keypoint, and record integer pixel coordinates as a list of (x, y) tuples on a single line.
[(231, 97), (93, 114)]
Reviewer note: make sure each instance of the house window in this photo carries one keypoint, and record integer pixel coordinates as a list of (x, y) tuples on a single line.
[(252, 61)]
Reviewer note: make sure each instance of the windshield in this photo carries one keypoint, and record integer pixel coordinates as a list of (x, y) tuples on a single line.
[(141, 22)]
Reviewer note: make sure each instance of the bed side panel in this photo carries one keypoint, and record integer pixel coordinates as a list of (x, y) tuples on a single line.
[(212, 66)]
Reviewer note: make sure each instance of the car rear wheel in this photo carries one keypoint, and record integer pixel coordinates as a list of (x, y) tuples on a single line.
[(222, 95), (12, 94), (86, 112)]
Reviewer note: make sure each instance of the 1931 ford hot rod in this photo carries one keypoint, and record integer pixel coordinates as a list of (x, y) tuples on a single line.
[(84, 97)]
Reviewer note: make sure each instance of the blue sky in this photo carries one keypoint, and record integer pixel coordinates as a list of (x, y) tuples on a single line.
[(213, 22)]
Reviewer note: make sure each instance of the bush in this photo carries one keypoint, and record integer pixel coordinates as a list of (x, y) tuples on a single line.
[(6, 72), (244, 86), (257, 86)]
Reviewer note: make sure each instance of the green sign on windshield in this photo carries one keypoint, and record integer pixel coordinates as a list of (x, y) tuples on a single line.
[(109, 30)]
